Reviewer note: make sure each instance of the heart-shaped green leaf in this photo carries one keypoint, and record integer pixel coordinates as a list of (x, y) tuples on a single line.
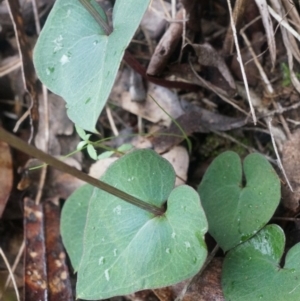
[(76, 60), (251, 271), (235, 213), (118, 248)]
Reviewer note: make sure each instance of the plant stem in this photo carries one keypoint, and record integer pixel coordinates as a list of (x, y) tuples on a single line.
[(22, 146), (188, 141), (95, 14)]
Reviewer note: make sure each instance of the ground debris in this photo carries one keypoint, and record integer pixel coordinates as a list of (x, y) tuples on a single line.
[(291, 164)]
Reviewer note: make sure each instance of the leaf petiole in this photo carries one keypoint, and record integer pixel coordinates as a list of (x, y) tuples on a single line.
[(22, 146), (95, 14)]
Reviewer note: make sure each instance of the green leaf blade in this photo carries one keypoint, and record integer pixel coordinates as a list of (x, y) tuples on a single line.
[(124, 248), (151, 256), (92, 152), (235, 213), (73, 220), (76, 60), (251, 271)]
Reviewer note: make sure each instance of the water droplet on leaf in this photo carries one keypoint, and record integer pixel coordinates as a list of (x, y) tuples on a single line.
[(101, 260), (117, 210), (58, 43), (50, 70), (106, 273), (187, 244), (64, 59)]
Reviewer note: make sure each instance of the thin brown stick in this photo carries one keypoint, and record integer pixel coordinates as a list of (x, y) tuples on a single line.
[(36, 16), (288, 219), (28, 72), (166, 46)]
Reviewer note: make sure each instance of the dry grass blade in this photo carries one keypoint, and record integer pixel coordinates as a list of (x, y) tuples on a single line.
[(256, 61), (218, 91), (13, 64), (111, 121), (264, 12), (28, 71), (208, 56), (277, 154), (292, 11), (36, 16), (294, 78), (288, 35), (10, 273), (241, 62), (284, 23), (16, 262), (237, 15)]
